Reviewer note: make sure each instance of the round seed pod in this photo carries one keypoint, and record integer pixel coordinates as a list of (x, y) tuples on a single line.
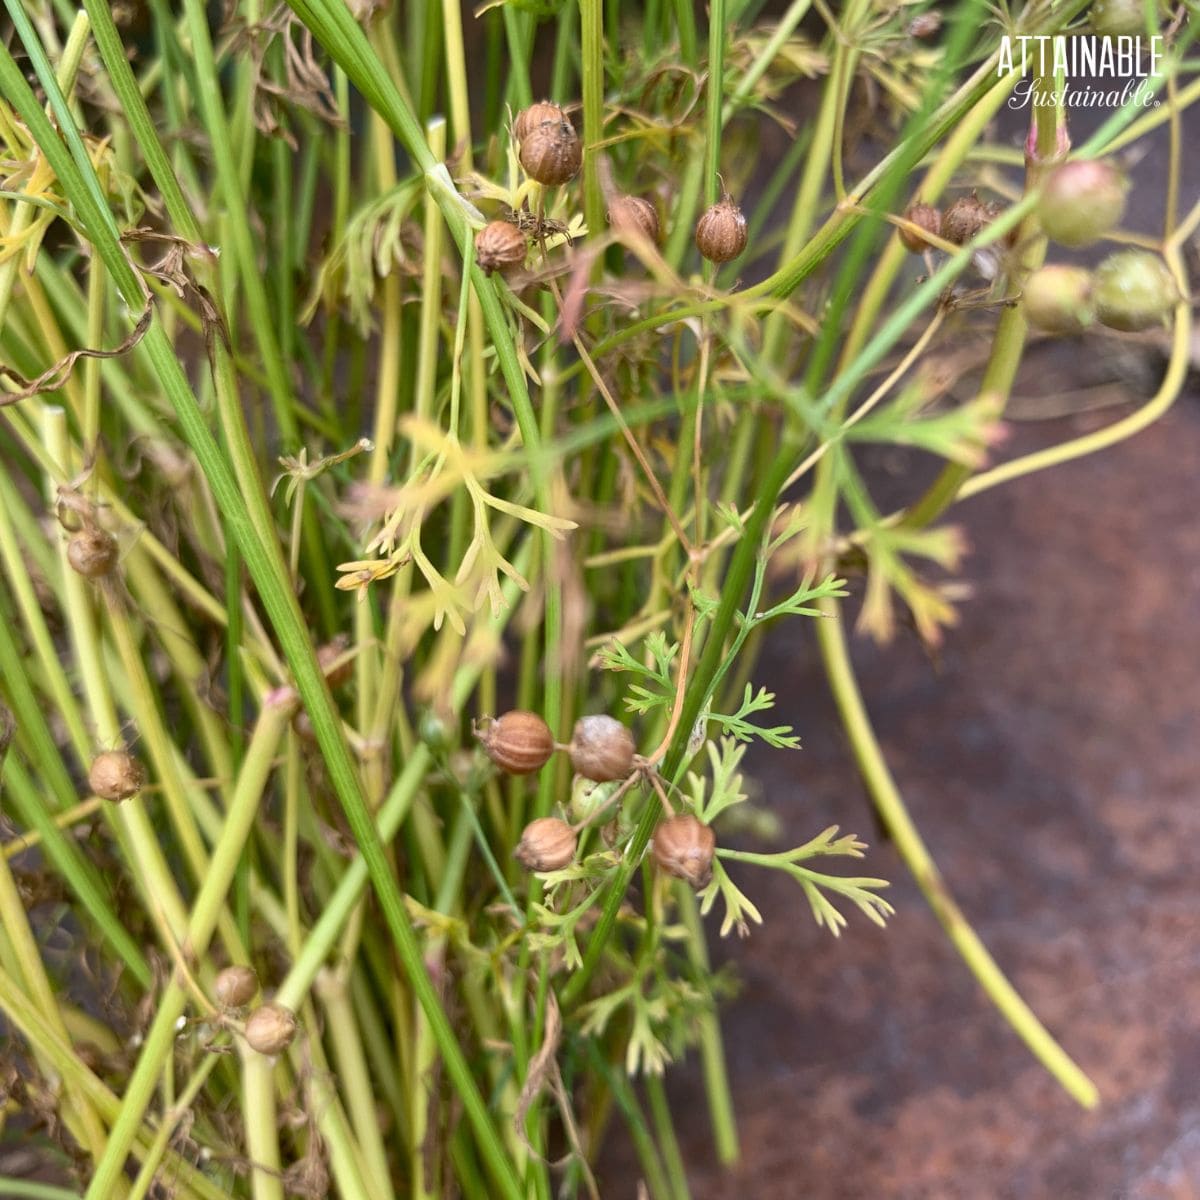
[(1133, 290), (684, 847), (500, 246), (92, 552), (235, 986), (1118, 18), (528, 119), (550, 150), (963, 219), (518, 742), (721, 231), (435, 729), (601, 749), (925, 217), (925, 25), (270, 1029), (635, 214), (116, 775), (1081, 201), (547, 844), (1058, 299)]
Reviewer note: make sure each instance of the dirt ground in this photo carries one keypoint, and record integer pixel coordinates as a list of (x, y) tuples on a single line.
[(1051, 764)]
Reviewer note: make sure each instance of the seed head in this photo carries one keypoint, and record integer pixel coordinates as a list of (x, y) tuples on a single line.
[(547, 844), (518, 742), (1081, 201), (235, 986), (963, 219), (721, 231), (684, 847), (499, 246), (1118, 18), (925, 217), (924, 25), (528, 119), (1058, 299), (633, 213), (1133, 290), (116, 775), (550, 151), (270, 1029), (92, 552), (601, 749)]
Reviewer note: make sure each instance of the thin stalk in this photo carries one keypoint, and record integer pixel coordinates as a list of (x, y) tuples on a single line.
[(668, 1144), (353, 1076), (874, 769), (243, 809), (715, 105), (591, 34), (262, 1133)]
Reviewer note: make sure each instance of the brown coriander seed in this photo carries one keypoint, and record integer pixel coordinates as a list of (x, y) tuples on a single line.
[(270, 1029), (684, 847), (963, 219), (116, 775), (92, 552), (550, 150), (721, 231), (518, 742), (235, 986), (528, 119), (926, 218), (500, 246), (634, 214), (601, 749), (547, 844), (924, 25)]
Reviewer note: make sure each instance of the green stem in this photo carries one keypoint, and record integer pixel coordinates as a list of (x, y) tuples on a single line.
[(262, 1133), (741, 569), (591, 30)]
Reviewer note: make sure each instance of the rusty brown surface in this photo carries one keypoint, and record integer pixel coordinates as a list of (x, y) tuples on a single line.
[(1051, 763)]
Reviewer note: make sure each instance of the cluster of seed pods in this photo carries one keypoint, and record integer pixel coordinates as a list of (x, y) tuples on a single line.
[(550, 154), (602, 750)]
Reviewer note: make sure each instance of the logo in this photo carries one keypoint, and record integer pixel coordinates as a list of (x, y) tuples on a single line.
[(1112, 71)]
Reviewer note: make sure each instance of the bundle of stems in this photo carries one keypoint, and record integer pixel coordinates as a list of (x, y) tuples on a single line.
[(363, 493)]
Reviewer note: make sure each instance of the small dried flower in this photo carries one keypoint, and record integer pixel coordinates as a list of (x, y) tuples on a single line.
[(721, 231), (518, 742), (235, 986), (92, 552), (550, 151), (634, 213), (270, 1029), (116, 775), (684, 847), (601, 749), (500, 246), (925, 217), (547, 844)]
